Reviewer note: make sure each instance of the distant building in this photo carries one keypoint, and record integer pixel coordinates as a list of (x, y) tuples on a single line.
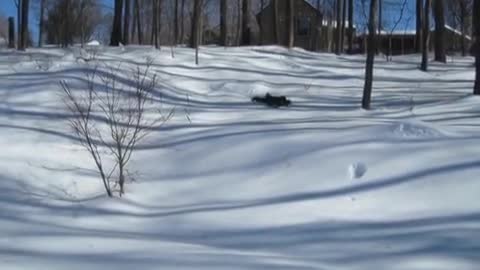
[(305, 18), (404, 42)]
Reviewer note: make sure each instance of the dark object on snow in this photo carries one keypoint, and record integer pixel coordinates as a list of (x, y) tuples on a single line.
[(272, 101)]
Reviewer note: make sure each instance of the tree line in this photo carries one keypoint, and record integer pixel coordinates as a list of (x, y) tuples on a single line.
[(172, 22)]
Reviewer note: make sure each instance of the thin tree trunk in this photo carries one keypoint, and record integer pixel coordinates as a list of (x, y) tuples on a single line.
[(380, 27), (291, 23), (350, 26), (372, 22), (338, 30), (276, 22), (419, 30), (19, 23), (175, 23), (245, 22), (126, 25), (116, 36), (425, 35), (40, 23), (182, 21), (159, 23), (463, 14), (239, 23), (262, 6), (476, 46), (197, 13), (11, 32), (154, 37), (223, 23), (342, 33), (439, 16), (24, 37), (139, 23)]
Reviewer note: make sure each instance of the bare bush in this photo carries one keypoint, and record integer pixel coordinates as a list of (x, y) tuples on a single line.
[(110, 119)]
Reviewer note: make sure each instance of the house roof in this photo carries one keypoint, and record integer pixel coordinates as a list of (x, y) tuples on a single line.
[(304, 1)]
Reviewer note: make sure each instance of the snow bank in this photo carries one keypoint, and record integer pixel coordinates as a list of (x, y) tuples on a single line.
[(319, 185)]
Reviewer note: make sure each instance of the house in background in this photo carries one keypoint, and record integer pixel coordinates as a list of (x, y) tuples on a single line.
[(404, 42), (306, 18)]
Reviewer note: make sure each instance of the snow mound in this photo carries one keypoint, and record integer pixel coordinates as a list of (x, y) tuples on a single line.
[(414, 129), (357, 170), (93, 43)]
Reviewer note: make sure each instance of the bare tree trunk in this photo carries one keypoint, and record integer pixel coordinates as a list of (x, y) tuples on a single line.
[(291, 23), (245, 22), (342, 33), (19, 23), (425, 35), (11, 32), (262, 6), (238, 37), (276, 22), (223, 23), (463, 15), (372, 22), (419, 19), (380, 26), (182, 21), (126, 23), (154, 34), (175, 23), (159, 23), (439, 16), (338, 30), (476, 46), (350, 26), (116, 36), (139, 23), (40, 23), (24, 36), (197, 14)]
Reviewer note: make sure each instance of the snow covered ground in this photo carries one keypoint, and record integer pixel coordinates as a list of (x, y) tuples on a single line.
[(320, 185)]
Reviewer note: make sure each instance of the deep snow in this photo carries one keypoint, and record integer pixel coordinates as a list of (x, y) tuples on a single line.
[(320, 185)]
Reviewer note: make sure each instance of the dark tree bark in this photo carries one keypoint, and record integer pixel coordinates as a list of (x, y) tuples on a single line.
[(139, 22), (40, 23), (154, 34), (439, 16), (11, 32), (238, 36), (350, 26), (338, 30), (425, 35), (463, 26), (126, 22), (262, 6), (223, 23), (342, 33), (372, 22), (380, 26), (291, 23), (476, 46), (19, 23), (246, 36), (182, 21), (116, 36), (276, 22), (175, 23), (159, 22), (24, 36), (419, 28), (197, 13)]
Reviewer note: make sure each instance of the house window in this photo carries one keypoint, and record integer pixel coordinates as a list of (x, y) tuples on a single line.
[(303, 26)]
